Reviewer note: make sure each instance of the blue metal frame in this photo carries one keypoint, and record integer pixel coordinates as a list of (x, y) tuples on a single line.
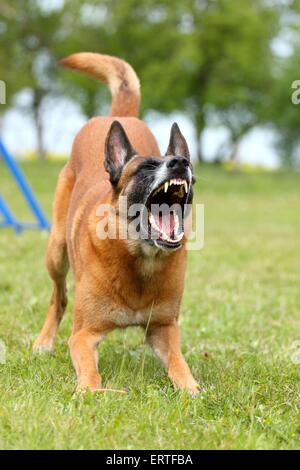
[(8, 218)]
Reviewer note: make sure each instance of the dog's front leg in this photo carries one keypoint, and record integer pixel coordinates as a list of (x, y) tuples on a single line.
[(84, 356), (165, 341)]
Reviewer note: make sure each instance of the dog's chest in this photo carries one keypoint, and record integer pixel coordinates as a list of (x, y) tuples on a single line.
[(123, 317), (131, 318)]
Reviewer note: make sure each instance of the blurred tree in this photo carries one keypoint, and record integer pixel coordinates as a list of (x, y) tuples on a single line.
[(7, 66), (208, 58), (83, 29), (281, 107), (232, 63), (28, 35), (143, 32)]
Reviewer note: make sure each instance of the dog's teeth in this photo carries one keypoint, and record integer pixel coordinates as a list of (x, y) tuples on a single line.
[(164, 236), (186, 186), (176, 223), (151, 219), (166, 186)]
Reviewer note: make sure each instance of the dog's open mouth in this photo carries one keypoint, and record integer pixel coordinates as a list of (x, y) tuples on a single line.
[(166, 206)]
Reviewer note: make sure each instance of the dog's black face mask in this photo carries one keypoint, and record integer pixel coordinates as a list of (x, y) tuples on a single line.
[(160, 186)]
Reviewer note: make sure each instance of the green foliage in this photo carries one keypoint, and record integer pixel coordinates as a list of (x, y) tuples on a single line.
[(29, 35), (284, 115), (204, 58), (282, 109), (233, 68)]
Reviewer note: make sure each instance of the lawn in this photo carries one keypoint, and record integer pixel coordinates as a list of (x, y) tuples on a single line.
[(240, 320)]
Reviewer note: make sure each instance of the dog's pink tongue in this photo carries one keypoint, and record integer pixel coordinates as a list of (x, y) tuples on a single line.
[(166, 223)]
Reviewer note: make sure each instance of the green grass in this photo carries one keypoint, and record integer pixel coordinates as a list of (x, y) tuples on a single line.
[(240, 317)]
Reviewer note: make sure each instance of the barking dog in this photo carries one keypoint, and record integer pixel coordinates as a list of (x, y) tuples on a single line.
[(132, 274)]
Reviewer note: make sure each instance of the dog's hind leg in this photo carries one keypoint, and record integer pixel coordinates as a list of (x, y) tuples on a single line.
[(57, 262)]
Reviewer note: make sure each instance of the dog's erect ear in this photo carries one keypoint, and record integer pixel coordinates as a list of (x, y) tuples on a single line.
[(177, 145), (118, 151)]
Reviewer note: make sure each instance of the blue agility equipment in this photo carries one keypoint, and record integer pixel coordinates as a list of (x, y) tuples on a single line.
[(8, 218)]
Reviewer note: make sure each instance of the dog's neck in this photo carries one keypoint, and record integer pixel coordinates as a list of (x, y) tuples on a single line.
[(149, 264), (148, 259), (145, 259)]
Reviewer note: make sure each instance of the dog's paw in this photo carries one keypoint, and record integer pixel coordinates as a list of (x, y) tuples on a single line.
[(194, 391), (42, 346), (190, 386)]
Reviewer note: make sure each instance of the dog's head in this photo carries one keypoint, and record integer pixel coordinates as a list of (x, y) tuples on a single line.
[(157, 189)]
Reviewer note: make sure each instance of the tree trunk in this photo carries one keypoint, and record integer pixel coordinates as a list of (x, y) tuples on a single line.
[(199, 148), (199, 125), (38, 122), (236, 156)]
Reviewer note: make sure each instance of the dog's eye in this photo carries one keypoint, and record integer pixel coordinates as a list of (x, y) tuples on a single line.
[(148, 164)]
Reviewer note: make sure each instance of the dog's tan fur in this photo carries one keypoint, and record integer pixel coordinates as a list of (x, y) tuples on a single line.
[(116, 284)]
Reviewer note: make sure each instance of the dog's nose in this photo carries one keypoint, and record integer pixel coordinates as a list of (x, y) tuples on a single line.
[(178, 163)]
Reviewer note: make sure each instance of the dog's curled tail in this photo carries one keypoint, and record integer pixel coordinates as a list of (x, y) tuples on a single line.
[(116, 73)]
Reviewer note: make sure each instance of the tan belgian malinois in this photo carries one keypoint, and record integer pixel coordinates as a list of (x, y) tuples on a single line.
[(126, 280)]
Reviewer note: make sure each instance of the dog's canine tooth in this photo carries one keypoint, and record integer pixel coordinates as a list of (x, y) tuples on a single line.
[(186, 186), (166, 186)]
